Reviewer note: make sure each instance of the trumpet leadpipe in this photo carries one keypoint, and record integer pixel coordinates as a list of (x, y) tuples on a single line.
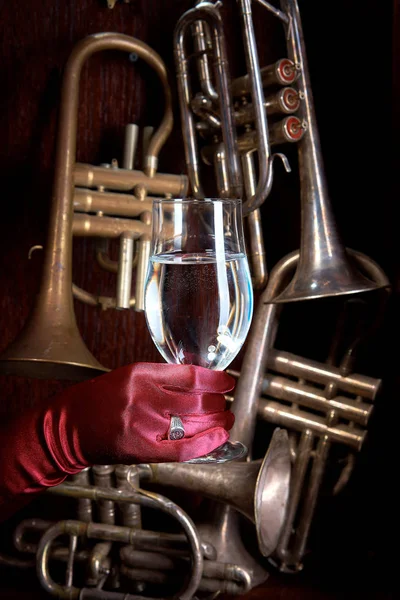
[(290, 364), (282, 72), (89, 176), (307, 396), (197, 478)]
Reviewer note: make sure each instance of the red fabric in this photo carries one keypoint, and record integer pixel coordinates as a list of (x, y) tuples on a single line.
[(121, 417)]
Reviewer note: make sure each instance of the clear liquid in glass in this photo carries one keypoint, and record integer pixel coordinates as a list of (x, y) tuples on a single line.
[(198, 309)]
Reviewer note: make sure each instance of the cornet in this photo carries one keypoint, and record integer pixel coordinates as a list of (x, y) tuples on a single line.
[(50, 346), (325, 269), (259, 490)]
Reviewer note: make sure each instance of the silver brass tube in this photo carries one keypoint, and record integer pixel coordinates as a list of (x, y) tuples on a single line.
[(265, 174), (155, 576), (122, 534), (223, 574), (97, 594), (124, 277), (303, 455), (102, 475), (282, 388), (221, 171), (293, 365), (29, 525), (310, 501), (259, 343), (173, 544), (294, 418), (124, 180), (217, 485), (84, 511), (201, 45), (307, 396), (119, 205), (208, 13), (131, 514), (254, 224)]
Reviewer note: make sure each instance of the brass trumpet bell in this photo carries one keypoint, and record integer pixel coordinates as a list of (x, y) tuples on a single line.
[(51, 347), (325, 270), (231, 483)]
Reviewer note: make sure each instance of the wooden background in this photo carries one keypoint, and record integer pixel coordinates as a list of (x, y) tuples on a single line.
[(351, 54)]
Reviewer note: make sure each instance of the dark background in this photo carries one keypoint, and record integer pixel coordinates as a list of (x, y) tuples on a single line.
[(352, 57)]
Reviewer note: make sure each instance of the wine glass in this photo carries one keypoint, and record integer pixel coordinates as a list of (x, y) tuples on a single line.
[(198, 291)]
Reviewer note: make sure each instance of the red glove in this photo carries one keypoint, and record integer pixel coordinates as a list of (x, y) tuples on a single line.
[(121, 417)]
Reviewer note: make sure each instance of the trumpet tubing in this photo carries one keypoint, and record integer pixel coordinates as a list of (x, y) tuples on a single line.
[(151, 557), (321, 429), (124, 180)]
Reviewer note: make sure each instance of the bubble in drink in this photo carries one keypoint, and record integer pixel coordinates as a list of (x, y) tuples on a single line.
[(198, 309)]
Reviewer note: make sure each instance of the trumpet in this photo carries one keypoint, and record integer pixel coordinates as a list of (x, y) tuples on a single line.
[(259, 490), (256, 382), (50, 345)]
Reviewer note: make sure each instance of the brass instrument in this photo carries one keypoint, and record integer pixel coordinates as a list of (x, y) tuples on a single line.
[(256, 381), (50, 345), (325, 269), (259, 490), (221, 562)]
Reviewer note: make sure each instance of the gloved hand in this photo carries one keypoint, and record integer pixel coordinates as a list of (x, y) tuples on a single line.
[(121, 417)]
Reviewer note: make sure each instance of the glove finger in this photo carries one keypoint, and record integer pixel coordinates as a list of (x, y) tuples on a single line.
[(187, 377), (178, 402), (195, 424), (188, 448)]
